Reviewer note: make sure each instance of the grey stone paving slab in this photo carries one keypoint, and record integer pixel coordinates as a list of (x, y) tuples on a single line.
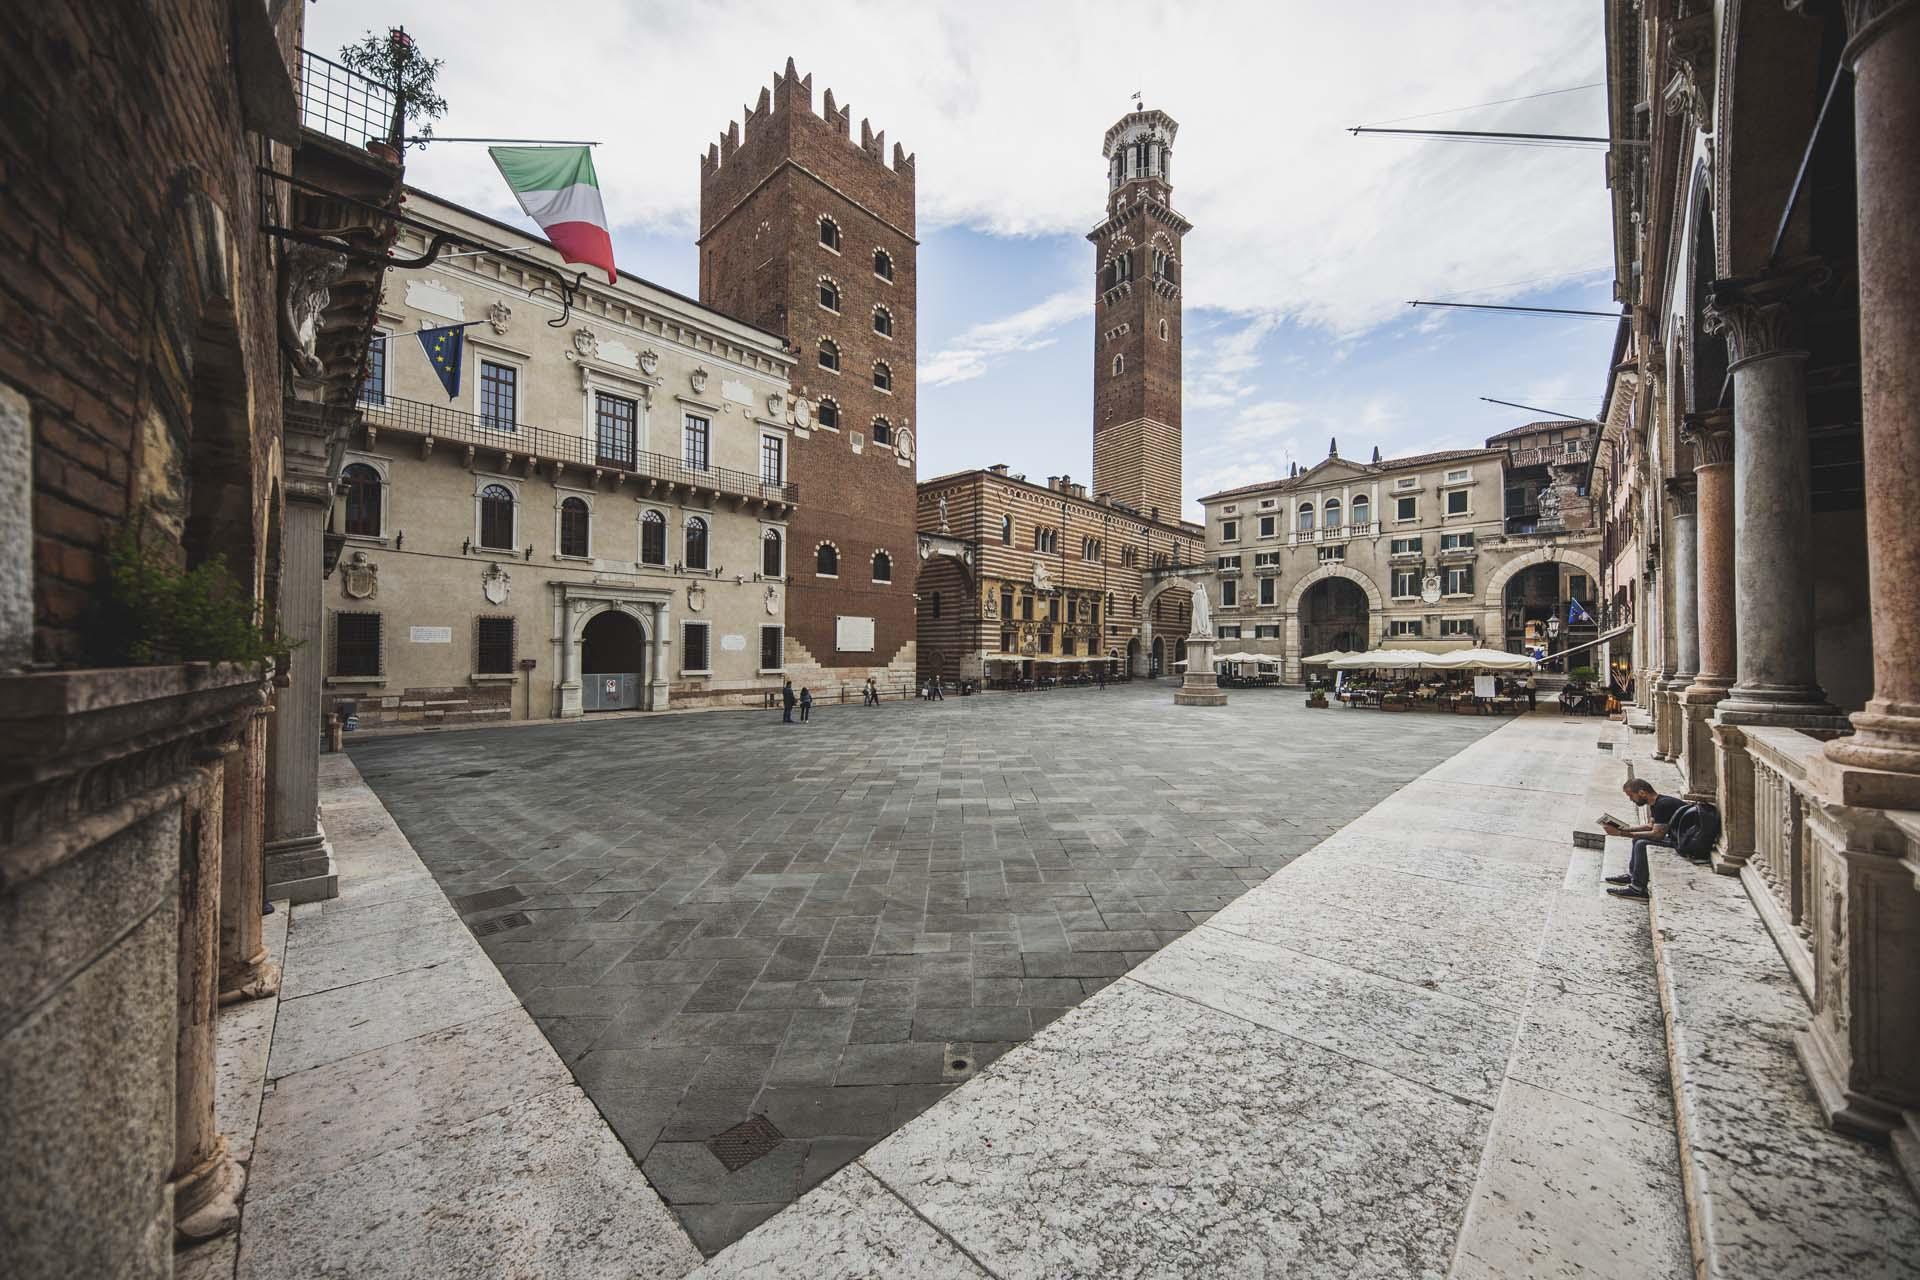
[(851, 906)]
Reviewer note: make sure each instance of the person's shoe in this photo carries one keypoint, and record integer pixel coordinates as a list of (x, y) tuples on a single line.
[(1619, 879), (1630, 891)]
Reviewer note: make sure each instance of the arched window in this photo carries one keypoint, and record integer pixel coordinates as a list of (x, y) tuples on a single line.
[(883, 321), (696, 543), (1333, 513), (1306, 517), (882, 567), (362, 484), (882, 431), (828, 414), (883, 264), (829, 294), (1119, 365), (829, 354), (574, 524), (773, 559), (1006, 531), (496, 517), (653, 538), (826, 560), (829, 232), (1164, 331), (882, 376), (1362, 511)]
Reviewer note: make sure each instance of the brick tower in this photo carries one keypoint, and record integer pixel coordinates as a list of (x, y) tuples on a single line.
[(808, 233), (1136, 350)]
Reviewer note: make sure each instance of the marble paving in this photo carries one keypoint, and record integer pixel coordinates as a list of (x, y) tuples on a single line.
[(1431, 1046), (834, 926)]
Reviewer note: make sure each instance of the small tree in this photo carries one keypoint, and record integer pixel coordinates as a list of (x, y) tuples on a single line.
[(396, 62)]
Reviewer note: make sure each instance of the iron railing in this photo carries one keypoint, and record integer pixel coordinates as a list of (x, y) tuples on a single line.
[(344, 104), (443, 423)]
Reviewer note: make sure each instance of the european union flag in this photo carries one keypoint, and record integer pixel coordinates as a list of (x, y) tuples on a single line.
[(1576, 616), (443, 347)]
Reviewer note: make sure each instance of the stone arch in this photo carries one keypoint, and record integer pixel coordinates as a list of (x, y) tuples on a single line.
[(1161, 588), (1375, 602), (640, 614), (1767, 97), (1497, 583)]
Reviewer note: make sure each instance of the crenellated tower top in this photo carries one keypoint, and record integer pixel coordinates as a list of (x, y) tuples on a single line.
[(791, 90)]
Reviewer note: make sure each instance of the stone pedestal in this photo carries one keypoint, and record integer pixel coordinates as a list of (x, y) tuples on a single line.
[(1201, 688), (1711, 435), (206, 1181), (247, 972)]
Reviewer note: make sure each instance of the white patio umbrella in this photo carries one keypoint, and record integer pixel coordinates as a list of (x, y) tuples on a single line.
[(1382, 660), (1481, 660), (1319, 658)]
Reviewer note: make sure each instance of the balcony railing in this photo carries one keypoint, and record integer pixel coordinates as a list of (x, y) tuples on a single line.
[(344, 104), (1523, 524), (1545, 457), (442, 423)]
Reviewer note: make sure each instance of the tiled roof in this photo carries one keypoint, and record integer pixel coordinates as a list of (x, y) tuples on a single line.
[(1549, 425)]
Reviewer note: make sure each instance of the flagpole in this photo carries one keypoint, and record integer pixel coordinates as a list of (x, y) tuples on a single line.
[(429, 328), (528, 142)]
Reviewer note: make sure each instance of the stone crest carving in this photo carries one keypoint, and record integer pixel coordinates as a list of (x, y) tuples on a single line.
[(584, 342), (991, 609), (696, 597), (649, 361), (802, 411), (306, 273), (903, 444), (698, 379), (774, 403), (360, 577), (498, 315), (773, 602), (495, 585), (1430, 588), (1041, 580)]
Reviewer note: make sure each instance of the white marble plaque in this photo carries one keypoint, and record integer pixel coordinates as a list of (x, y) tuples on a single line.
[(738, 392), (430, 635), (436, 299), (614, 352), (733, 644), (853, 635)]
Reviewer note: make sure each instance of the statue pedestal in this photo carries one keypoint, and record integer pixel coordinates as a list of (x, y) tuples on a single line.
[(1201, 688)]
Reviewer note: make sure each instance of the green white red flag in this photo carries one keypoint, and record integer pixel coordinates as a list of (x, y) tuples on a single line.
[(558, 189)]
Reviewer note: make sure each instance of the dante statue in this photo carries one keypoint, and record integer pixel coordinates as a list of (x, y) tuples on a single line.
[(1202, 616), (943, 514)]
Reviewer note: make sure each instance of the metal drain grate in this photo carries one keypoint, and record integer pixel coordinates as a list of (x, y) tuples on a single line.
[(487, 900), (746, 1142), (500, 924)]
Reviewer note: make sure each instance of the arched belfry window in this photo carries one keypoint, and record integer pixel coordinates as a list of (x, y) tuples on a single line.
[(1119, 365)]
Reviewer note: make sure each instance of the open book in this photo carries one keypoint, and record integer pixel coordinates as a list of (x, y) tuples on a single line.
[(1607, 819)]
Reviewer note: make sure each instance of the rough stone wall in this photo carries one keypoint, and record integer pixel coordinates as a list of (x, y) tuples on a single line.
[(118, 118), (762, 195)]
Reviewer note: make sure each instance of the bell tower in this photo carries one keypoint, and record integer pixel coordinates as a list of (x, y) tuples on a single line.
[(1136, 349)]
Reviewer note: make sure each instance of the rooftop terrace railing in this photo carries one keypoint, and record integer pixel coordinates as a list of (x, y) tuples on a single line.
[(345, 105)]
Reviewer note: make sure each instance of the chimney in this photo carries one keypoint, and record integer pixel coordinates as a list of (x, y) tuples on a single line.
[(998, 468)]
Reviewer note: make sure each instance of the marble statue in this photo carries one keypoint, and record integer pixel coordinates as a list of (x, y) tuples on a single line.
[(1202, 616)]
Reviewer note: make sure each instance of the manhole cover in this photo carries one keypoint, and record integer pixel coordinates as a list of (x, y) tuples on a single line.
[(500, 924), (487, 900), (746, 1142)]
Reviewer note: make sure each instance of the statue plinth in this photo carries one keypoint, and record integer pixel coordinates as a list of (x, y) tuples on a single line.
[(1201, 688)]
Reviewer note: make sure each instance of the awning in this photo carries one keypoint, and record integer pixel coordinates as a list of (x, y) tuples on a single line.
[(1479, 660), (1328, 656)]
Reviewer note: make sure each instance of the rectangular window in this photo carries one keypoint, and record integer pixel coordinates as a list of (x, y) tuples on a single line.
[(1266, 633), (1407, 482), (1227, 562), (1026, 608), (1457, 477), (616, 422), (1579, 587), (773, 461), (1457, 541), (1046, 642), (1066, 645), (1456, 626), (693, 647), (1007, 642), (1406, 582), (1457, 502), (1262, 558), (1405, 546), (1333, 553), (772, 649), (1229, 633), (1006, 602), (373, 388), (356, 644), (1459, 580), (1229, 593), (1406, 508), (1404, 627), (695, 435), (493, 646), (1053, 609), (1229, 531), (1266, 590), (499, 395), (1266, 526)]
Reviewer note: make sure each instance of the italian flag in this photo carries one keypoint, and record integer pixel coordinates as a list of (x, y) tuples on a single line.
[(557, 188)]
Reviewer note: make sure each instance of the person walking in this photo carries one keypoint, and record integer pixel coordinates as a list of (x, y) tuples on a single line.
[(806, 705), (1533, 693), (870, 694), (1661, 810), (786, 703), (936, 693)]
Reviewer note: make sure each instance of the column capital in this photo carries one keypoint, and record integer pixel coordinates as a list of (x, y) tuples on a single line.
[(1760, 314), (1683, 491), (1710, 432), (1868, 20)]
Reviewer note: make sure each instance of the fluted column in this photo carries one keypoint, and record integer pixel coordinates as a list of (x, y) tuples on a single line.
[(1711, 435), (1772, 504), (206, 1182), (247, 972), (1885, 55)]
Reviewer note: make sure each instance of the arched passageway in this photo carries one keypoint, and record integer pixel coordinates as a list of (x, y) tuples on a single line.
[(1333, 615), (613, 662)]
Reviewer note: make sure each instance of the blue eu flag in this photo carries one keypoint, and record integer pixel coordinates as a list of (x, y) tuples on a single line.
[(443, 347), (1576, 616)]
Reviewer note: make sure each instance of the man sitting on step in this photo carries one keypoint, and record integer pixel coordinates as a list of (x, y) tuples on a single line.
[(1661, 810)]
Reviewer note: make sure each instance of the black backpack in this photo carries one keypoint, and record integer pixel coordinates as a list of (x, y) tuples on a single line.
[(1695, 829)]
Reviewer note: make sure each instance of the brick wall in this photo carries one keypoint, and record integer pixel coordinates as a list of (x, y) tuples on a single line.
[(123, 151)]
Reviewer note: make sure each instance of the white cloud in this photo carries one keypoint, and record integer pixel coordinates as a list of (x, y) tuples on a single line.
[(1005, 105), (969, 355)]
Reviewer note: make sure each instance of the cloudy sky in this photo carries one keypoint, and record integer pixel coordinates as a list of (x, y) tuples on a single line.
[(1307, 242)]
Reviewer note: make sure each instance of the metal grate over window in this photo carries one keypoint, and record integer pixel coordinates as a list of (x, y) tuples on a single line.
[(493, 646), (356, 644)]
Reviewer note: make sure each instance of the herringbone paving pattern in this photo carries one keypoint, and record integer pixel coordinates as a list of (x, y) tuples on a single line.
[(830, 925)]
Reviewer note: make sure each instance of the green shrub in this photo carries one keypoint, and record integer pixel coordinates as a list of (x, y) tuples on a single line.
[(1585, 675), (154, 611)]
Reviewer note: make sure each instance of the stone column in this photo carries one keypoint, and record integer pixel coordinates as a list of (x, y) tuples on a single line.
[(1772, 511), (205, 1180), (299, 858), (657, 661), (247, 972), (1711, 435), (1885, 54), (1682, 615)]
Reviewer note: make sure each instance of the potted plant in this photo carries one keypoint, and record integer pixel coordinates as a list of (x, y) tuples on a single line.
[(396, 62)]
